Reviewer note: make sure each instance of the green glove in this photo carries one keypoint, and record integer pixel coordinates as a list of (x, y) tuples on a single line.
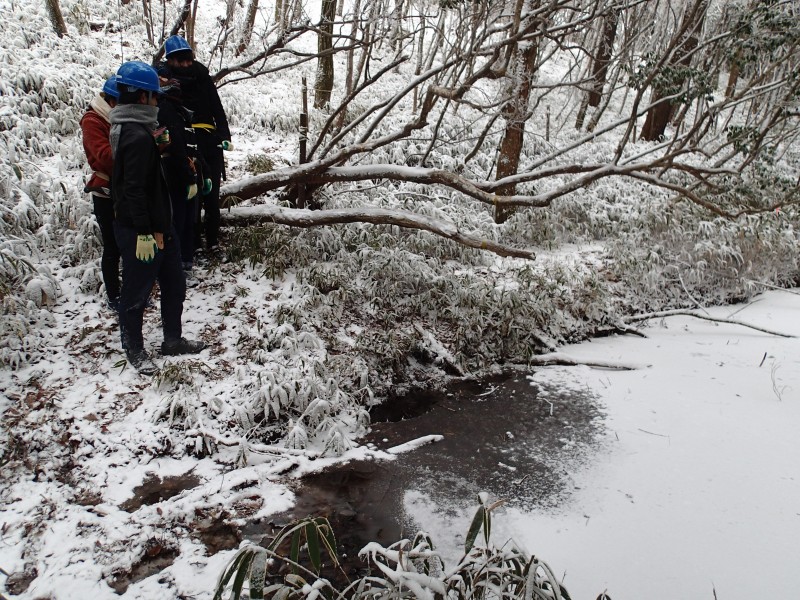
[(162, 138), (146, 248), (206, 186), (227, 145), (191, 191)]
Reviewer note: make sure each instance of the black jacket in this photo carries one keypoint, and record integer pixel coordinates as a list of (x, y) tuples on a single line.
[(199, 94), (182, 146), (141, 200)]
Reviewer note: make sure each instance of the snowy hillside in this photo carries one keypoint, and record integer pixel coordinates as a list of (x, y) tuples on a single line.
[(306, 328)]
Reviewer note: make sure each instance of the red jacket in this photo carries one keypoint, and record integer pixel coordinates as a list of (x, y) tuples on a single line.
[(98, 151)]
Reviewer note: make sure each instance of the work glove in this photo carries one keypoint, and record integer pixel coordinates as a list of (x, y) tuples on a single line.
[(191, 191), (162, 136), (146, 248), (226, 145), (206, 186)]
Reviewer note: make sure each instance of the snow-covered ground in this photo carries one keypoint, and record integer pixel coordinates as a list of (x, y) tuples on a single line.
[(698, 495)]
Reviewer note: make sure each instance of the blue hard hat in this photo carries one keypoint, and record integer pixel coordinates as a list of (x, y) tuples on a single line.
[(110, 87), (175, 43), (138, 75)]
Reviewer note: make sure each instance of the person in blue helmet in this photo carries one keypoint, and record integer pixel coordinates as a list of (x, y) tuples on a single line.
[(209, 121), (184, 170), (143, 224), (95, 126)]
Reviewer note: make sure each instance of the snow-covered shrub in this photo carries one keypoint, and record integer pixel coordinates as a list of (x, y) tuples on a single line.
[(676, 256), (409, 569), (40, 195)]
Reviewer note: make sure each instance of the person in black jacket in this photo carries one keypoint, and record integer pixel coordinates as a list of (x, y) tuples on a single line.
[(209, 122), (183, 169), (143, 218)]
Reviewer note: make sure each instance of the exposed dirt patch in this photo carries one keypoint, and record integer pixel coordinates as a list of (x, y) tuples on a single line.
[(154, 489), (18, 583), (156, 558)]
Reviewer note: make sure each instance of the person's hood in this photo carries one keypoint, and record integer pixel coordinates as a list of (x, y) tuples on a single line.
[(101, 107), (143, 114), (187, 75)]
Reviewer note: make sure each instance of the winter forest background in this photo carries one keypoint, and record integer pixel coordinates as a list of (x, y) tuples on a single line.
[(481, 183)]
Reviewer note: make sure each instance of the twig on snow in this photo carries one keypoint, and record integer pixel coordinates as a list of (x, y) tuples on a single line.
[(689, 313), (652, 433)]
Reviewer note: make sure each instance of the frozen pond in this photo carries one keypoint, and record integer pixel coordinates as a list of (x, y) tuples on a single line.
[(507, 436), (680, 479)]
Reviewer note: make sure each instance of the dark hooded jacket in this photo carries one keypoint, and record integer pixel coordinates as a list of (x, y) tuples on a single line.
[(141, 200), (182, 145), (200, 95)]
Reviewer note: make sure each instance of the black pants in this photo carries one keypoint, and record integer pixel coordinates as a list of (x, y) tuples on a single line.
[(208, 145), (138, 279), (183, 216), (109, 262)]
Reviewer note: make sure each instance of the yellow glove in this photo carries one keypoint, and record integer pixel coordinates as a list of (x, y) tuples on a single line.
[(191, 191), (227, 145), (146, 248)]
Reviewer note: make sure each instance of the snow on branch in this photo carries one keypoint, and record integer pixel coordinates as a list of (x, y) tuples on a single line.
[(559, 358), (414, 444), (377, 216)]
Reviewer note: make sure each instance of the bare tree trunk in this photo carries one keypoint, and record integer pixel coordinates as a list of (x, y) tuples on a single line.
[(438, 40), (190, 24), (148, 21), (420, 54), (349, 83), (56, 18), (301, 188), (515, 113), (367, 44), (733, 77), (658, 117), (247, 30), (324, 83), (582, 112), (601, 109), (603, 57), (230, 10), (396, 32)]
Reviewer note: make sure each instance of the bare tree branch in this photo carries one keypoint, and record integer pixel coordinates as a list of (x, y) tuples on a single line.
[(377, 216)]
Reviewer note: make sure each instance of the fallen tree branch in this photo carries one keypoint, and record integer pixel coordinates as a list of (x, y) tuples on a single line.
[(621, 329), (773, 287), (689, 313), (559, 358), (414, 444), (295, 217)]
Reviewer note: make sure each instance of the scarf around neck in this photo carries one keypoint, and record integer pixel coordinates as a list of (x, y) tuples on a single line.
[(101, 107), (143, 114)]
